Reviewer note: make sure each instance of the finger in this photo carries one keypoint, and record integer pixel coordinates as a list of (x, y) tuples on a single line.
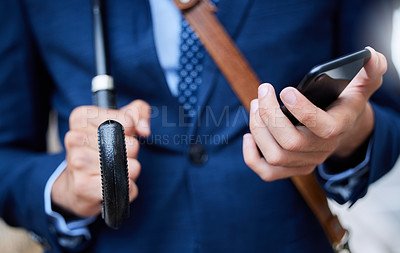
[(89, 118), (133, 191), (353, 100), (74, 139), (289, 137), (83, 159), (134, 168), (369, 79), (315, 119), (377, 64), (262, 168), (138, 112), (87, 138), (132, 146), (88, 188), (275, 155), (280, 127), (88, 194), (81, 138), (85, 116), (252, 156)]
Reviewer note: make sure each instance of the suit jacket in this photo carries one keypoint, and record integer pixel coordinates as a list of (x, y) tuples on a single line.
[(219, 204)]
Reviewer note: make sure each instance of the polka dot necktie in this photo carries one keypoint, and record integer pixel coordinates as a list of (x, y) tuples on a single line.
[(190, 68)]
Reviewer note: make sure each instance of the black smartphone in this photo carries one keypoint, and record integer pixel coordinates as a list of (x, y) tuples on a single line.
[(324, 83)]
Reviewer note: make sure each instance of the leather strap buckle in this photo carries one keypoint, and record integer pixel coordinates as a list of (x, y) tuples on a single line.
[(343, 246), (185, 5)]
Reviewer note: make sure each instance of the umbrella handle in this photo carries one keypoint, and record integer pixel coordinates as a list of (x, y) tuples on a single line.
[(111, 137)]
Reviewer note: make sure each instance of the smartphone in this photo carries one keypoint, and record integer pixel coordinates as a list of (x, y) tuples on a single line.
[(324, 83)]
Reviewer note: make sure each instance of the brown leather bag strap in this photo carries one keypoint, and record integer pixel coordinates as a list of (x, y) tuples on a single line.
[(244, 82)]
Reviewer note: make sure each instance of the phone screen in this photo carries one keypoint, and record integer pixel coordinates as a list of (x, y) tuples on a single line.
[(324, 87), (324, 83)]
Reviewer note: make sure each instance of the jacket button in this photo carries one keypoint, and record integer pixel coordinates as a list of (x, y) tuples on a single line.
[(197, 154)]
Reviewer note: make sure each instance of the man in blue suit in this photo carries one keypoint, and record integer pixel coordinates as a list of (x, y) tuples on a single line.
[(196, 192)]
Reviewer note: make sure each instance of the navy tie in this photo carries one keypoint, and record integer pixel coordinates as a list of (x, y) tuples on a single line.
[(190, 68)]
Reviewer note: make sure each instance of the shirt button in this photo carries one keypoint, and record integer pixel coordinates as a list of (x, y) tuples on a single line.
[(198, 154)]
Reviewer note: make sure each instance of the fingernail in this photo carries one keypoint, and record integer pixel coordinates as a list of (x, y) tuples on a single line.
[(263, 90), (289, 97), (254, 105), (246, 140), (372, 50)]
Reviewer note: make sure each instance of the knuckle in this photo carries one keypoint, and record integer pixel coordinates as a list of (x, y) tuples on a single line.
[(129, 116), (79, 117), (329, 133), (268, 176), (132, 146), (255, 125), (133, 191), (292, 144), (75, 164), (333, 131), (134, 168), (249, 161), (306, 170), (79, 186), (265, 116), (275, 158), (384, 64), (327, 146), (76, 115), (321, 160), (73, 138), (77, 160), (263, 112), (140, 106), (68, 140), (252, 126), (380, 81), (308, 118), (75, 112)]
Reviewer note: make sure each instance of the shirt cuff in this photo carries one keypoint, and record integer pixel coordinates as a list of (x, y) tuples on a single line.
[(349, 184), (69, 234)]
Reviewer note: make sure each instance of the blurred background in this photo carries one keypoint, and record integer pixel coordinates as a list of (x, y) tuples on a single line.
[(373, 222)]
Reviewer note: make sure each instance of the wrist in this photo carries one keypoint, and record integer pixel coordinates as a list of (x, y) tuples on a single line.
[(59, 198)]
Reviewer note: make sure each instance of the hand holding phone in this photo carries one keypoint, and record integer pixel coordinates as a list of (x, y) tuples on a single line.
[(288, 150), (324, 83)]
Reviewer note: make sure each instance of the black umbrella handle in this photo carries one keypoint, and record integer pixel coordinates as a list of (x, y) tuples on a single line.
[(111, 137), (114, 173)]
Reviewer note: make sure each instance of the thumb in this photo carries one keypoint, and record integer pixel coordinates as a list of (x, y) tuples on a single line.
[(138, 114), (369, 79)]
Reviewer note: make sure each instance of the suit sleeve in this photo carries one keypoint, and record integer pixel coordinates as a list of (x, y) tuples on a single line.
[(25, 90)]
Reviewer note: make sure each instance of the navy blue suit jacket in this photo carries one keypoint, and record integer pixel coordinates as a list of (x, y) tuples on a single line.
[(47, 61)]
